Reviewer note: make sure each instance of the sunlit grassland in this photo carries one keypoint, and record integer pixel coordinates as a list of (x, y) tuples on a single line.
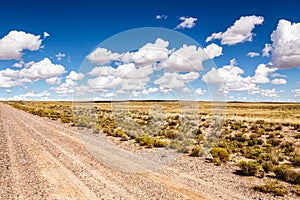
[(261, 138)]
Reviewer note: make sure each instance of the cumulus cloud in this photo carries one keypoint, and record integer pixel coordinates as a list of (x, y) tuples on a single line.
[(269, 92), (68, 87), (75, 76), (42, 70), (32, 95), (261, 74), (239, 32), (8, 91), (266, 50), (130, 71), (102, 56), (149, 91), (60, 55), (278, 81), (200, 91), (104, 82), (46, 35), (102, 71), (54, 80), (252, 54), (186, 59), (286, 45), (296, 92), (213, 50), (161, 17), (172, 80), (13, 44), (151, 53), (187, 22)]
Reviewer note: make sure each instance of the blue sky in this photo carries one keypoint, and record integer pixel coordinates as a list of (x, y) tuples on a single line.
[(46, 48)]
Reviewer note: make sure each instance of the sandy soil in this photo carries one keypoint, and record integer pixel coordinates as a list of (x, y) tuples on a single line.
[(43, 159)]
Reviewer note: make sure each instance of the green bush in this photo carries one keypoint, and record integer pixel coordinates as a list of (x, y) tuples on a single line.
[(160, 143), (296, 159), (248, 168), (196, 151), (145, 141), (287, 174), (268, 166), (272, 187), (220, 155), (175, 144)]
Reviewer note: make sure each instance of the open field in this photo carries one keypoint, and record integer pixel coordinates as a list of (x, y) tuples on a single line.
[(255, 145)]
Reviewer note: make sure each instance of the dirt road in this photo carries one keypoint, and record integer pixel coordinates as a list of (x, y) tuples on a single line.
[(43, 159)]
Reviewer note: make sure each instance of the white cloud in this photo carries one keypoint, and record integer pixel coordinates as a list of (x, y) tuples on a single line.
[(266, 50), (130, 71), (278, 75), (151, 53), (42, 70), (149, 91), (172, 80), (102, 56), (54, 80), (261, 74), (230, 78), (213, 50), (104, 82), (161, 17), (269, 92), (8, 91), (286, 45), (296, 92), (187, 22), (68, 87), (185, 59), (240, 31), (19, 64), (46, 35), (278, 81), (13, 44), (60, 55), (189, 77), (102, 71), (109, 95), (252, 54), (75, 76), (32, 95), (200, 91)]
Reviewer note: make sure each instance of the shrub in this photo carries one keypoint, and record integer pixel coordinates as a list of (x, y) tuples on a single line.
[(278, 128), (272, 187), (274, 142), (297, 190), (296, 159), (292, 176), (160, 143), (268, 166), (287, 174), (240, 137), (248, 168), (118, 133), (220, 155), (196, 151), (145, 141), (175, 144)]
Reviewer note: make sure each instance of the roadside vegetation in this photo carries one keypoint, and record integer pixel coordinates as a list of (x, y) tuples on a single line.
[(262, 139)]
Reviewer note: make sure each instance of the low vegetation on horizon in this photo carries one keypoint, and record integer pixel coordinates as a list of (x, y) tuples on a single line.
[(263, 139)]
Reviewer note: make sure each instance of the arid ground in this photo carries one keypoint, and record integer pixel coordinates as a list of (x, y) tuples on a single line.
[(46, 159)]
